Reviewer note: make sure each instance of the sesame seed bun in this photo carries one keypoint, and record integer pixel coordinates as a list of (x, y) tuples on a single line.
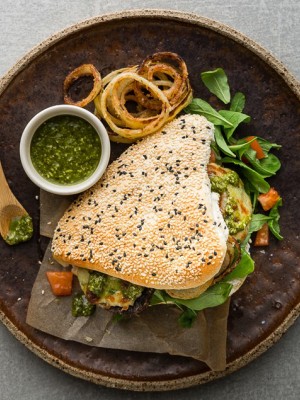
[(151, 219)]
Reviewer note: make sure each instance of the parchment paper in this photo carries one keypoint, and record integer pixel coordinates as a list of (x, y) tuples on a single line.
[(205, 341)]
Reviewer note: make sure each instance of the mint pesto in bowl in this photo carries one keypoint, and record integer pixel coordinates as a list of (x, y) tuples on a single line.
[(64, 149)]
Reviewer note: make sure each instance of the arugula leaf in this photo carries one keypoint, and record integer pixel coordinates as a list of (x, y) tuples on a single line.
[(256, 180), (199, 106), (252, 192), (266, 167), (157, 298), (240, 147), (257, 221), (267, 146), (274, 222), (244, 268), (235, 118), (187, 318), (216, 82), (238, 102), (212, 297), (222, 143)]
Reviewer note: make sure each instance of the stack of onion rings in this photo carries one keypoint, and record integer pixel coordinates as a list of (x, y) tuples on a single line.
[(137, 101)]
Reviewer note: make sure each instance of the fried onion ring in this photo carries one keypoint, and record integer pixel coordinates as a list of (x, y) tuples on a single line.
[(168, 71), (113, 108), (83, 70)]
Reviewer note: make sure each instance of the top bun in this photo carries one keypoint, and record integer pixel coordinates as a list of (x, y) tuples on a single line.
[(151, 219)]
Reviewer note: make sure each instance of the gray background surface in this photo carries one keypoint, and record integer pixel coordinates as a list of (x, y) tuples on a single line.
[(272, 23)]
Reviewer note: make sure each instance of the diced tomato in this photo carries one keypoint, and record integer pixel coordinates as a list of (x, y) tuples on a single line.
[(262, 236), (269, 199), (60, 282), (256, 147)]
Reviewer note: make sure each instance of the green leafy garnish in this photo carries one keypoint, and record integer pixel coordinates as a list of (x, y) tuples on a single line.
[(238, 102), (257, 180), (187, 318), (243, 269), (198, 106), (235, 118), (258, 220), (237, 151), (241, 153), (212, 297), (216, 82), (221, 142), (266, 167), (274, 221)]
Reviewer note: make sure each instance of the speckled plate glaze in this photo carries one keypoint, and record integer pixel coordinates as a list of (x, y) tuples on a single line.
[(269, 301)]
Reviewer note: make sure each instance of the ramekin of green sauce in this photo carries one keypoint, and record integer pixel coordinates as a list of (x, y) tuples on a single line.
[(64, 149)]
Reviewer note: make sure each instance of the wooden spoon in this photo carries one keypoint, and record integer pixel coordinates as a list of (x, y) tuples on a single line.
[(9, 206)]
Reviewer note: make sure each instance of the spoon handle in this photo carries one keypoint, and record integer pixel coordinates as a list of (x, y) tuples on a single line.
[(6, 195)]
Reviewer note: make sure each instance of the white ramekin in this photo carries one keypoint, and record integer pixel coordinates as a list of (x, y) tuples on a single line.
[(31, 128)]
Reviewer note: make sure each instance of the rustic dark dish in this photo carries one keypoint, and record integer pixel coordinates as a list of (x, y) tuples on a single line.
[(270, 300)]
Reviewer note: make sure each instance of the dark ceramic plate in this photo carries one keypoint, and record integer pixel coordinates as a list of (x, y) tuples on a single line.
[(269, 301)]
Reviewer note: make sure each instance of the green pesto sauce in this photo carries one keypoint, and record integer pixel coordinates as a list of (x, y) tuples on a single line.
[(104, 285), (233, 217), (81, 307), (20, 230), (230, 183), (65, 149), (220, 183)]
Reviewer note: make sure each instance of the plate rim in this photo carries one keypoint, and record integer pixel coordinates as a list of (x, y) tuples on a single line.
[(294, 85), (182, 16)]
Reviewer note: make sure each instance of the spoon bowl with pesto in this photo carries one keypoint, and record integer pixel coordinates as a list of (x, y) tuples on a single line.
[(64, 149), (15, 223)]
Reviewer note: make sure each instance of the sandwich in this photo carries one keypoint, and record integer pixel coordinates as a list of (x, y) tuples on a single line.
[(164, 217)]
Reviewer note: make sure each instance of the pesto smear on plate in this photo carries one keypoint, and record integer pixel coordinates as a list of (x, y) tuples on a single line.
[(65, 149)]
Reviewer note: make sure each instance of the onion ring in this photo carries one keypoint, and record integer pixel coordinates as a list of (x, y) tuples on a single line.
[(172, 74), (115, 113), (83, 70)]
